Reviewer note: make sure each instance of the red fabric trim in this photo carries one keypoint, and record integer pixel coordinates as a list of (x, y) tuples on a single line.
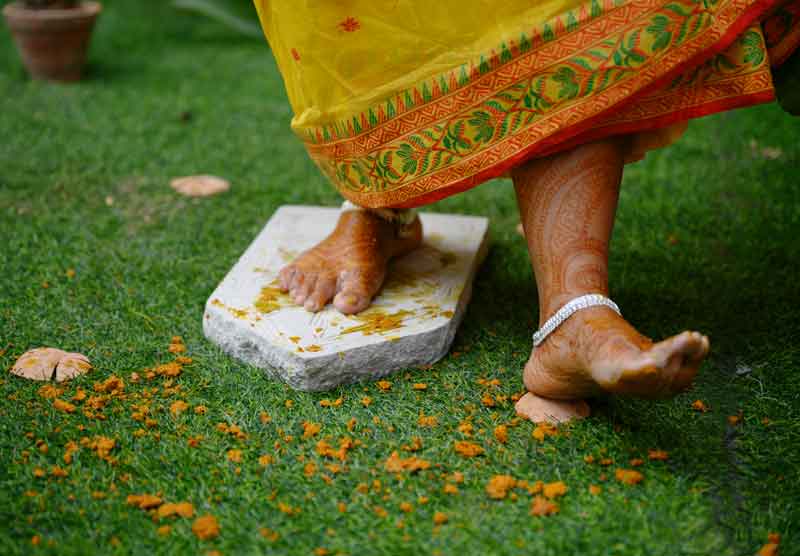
[(566, 137)]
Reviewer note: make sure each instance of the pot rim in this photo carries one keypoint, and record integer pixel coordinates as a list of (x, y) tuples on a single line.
[(85, 8)]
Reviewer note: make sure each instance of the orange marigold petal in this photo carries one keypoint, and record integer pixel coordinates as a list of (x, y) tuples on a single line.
[(205, 527), (541, 506), (628, 476)]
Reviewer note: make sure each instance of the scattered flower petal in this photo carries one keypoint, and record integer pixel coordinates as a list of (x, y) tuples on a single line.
[(200, 186), (658, 455), (50, 364), (144, 501), (554, 490), (396, 464), (628, 476), (499, 485), (468, 449), (541, 506), (205, 527)]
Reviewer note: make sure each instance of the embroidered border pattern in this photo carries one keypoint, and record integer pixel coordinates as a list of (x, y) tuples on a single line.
[(573, 68)]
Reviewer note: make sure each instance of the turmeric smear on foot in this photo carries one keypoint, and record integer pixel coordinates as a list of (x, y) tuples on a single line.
[(376, 321)]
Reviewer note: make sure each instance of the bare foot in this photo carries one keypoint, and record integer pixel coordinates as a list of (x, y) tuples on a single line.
[(541, 410), (349, 266), (596, 350)]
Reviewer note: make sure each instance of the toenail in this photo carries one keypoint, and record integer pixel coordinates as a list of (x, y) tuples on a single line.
[(349, 300)]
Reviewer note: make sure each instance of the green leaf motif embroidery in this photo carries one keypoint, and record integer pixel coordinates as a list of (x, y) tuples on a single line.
[(753, 48)]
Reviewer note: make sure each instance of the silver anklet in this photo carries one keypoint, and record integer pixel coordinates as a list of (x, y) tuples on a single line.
[(569, 309), (404, 217)]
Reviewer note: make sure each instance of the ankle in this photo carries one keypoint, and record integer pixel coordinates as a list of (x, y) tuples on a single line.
[(550, 304)]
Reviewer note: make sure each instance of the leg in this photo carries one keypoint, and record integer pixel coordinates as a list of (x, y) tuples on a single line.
[(349, 266), (567, 204)]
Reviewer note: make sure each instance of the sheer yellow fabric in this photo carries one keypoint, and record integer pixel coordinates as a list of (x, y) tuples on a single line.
[(339, 58)]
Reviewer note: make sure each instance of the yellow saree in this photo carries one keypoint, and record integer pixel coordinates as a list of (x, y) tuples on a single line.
[(404, 102)]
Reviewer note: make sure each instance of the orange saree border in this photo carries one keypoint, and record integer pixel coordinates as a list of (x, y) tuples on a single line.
[(636, 104)]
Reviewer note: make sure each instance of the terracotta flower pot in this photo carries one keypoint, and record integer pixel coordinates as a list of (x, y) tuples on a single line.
[(52, 42)]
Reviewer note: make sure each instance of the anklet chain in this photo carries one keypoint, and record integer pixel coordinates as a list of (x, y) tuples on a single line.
[(570, 308), (403, 217)]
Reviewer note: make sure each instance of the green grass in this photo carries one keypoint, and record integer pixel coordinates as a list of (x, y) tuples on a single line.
[(706, 239)]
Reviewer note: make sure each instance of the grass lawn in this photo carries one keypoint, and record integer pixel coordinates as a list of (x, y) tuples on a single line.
[(706, 238)]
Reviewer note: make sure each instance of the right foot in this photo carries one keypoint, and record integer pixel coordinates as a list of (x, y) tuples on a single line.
[(596, 350), (349, 266)]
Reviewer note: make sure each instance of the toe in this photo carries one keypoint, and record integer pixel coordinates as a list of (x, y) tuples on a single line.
[(349, 303), (304, 290), (357, 290), (285, 277), (695, 353), (323, 292), (297, 281)]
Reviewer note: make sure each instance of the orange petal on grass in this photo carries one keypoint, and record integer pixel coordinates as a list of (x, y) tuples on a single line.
[(56, 471), (501, 433), (395, 464), (468, 449), (49, 392), (183, 509), (440, 518), (450, 488), (50, 364), (554, 490), (699, 405), (200, 186), (269, 534), (178, 407), (384, 385), (144, 501), (499, 485), (543, 430), (541, 506), (61, 405), (657, 455), (628, 476), (235, 456), (310, 429), (420, 386), (427, 420), (205, 527), (769, 549), (414, 446)]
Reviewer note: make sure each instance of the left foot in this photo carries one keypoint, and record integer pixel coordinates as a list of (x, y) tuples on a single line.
[(596, 350)]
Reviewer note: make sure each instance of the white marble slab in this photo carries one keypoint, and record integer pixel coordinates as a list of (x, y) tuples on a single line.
[(411, 322)]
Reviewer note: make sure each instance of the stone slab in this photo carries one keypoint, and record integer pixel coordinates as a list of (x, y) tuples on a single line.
[(411, 322)]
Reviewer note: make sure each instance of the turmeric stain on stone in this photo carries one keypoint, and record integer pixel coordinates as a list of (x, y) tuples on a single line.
[(270, 299), (238, 313), (377, 321)]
